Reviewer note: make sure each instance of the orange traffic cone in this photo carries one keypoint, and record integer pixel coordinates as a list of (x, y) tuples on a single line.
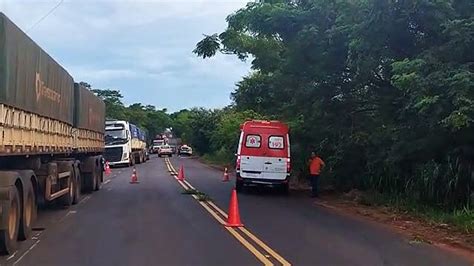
[(134, 179), (233, 219), (181, 173), (107, 168), (226, 176)]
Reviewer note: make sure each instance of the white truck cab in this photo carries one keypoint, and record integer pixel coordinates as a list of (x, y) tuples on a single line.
[(118, 144)]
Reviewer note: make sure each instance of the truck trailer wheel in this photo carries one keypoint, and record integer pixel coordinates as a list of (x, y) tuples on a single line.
[(29, 214), (77, 180), (67, 199), (88, 181), (98, 178), (9, 236)]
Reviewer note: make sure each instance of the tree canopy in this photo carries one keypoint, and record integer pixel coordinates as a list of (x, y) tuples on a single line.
[(147, 117), (384, 89)]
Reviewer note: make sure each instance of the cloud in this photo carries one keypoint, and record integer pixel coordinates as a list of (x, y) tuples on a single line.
[(143, 48), (103, 74)]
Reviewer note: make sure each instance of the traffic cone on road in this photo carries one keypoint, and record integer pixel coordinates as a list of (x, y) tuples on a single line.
[(107, 168), (226, 176), (233, 219), (181, 173), (134, 179)]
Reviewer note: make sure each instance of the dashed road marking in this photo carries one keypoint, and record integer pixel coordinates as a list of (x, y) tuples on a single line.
[(67, 215)]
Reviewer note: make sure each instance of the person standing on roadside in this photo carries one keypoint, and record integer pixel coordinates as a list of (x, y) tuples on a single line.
[(316, 164)]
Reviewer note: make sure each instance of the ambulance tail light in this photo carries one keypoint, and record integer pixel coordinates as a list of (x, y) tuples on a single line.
[(237, 164)]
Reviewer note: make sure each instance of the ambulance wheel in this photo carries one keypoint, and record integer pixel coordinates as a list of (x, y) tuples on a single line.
[(239, 186)]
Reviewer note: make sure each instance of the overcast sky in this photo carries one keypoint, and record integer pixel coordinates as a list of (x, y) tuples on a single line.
[(143, 48)]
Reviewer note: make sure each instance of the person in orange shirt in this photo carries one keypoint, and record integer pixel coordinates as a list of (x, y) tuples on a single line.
[(316, 164)]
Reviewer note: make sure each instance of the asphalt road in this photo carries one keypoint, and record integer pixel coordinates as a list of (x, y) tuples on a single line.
[(154, 223)]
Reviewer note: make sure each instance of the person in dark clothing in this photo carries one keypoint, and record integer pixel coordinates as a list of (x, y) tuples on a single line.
[(316, 164)]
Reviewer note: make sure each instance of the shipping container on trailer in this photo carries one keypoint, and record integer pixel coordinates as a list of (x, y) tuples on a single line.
[(52, 142), (89, 119), (30, 79), (36, 94)]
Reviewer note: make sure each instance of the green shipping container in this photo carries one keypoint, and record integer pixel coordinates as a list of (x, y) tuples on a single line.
[(89, 110), (30, 79)]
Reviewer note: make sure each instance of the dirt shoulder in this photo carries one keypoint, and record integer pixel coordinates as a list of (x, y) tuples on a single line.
[(416, 229)]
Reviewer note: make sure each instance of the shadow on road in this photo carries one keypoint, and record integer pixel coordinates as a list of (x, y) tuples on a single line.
[(263, 191)]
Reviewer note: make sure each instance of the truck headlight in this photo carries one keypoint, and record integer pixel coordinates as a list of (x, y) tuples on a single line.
[(125, 156)]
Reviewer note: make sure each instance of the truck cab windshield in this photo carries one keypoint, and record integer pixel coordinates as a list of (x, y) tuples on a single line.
[(115, 136)]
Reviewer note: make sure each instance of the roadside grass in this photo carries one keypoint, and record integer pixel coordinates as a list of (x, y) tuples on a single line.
[(217, 159), (189, 191), (460, 219), (201, 196)]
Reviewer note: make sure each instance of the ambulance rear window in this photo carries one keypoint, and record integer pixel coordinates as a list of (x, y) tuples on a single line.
[(276, 142), (253, 141)]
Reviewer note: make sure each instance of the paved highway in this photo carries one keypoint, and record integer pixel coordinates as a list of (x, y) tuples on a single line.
[(154, 223)]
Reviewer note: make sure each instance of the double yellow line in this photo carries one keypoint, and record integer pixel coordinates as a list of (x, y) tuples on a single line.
[(256, 246)]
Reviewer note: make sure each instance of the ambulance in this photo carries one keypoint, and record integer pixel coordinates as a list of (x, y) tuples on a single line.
[(263, 155)]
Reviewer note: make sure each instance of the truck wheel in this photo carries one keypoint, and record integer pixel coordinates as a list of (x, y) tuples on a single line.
[(29, 215), (88, 181), (138, 158), (66, 200), (9, 235), (98, 180), (77, 185), (285, 189), (239, 186)]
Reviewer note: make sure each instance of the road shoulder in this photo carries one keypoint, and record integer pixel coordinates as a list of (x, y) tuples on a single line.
[(417, 230)]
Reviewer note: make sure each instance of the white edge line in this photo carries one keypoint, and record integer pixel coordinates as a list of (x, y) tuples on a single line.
[(86, 198), (12, 256), (28, 251)]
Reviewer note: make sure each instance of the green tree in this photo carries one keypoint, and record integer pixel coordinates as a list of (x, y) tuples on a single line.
[(113, 103), (383, 89)]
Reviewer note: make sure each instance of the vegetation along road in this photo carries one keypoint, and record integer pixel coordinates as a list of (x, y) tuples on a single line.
[(155, 222)]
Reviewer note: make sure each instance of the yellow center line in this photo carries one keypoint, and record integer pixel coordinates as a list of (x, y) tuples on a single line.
[(253, 237), (168, 164), (223, 213), (265, 247), (233, 231), (189, 185), (183, 184), (242, 240)]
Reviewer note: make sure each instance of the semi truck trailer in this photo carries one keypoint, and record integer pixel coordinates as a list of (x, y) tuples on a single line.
[(52, 132), (125, 143)]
